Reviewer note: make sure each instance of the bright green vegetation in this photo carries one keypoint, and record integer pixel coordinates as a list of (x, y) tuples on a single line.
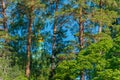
[(60, 39)]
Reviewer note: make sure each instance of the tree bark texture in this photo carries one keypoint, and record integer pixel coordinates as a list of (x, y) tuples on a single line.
[(81, 36), (54, 43), (29, 40)]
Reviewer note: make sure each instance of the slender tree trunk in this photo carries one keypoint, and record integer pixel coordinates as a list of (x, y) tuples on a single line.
[(4, 16), (81, 29), (54, 44), (81, 37), (100, 27), (100, 24), (82, 75), (6, 31), (28, 48), (29, 40), (53, 51)]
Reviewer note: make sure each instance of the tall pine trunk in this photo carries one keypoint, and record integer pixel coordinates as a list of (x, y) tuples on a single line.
[(29, 48), (81, 37), (100, 25), (53, 51), (81, 30), (29, 40), (4, 16), (54, 43)]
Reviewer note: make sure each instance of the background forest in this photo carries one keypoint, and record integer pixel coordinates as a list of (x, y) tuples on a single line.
[(59, 39)]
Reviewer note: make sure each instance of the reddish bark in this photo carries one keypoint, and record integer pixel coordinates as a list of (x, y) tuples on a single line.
[(81, 37), (29, 40), (4, 16)]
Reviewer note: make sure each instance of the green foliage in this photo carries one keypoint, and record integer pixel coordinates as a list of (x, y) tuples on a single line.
[(100, 58), (103, 43), (104, 17), (111, 74), (7, 72), (88, 59), (66, 70)]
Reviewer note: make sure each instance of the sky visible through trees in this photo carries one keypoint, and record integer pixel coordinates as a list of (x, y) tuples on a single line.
[(59, 39)]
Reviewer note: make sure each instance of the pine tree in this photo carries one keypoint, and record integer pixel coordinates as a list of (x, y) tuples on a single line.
[(58, 33), (104, 16), (80, 12), (54, 41), (29, 9)]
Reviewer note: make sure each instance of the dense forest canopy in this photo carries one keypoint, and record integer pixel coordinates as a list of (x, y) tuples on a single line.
[(59, 39)]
